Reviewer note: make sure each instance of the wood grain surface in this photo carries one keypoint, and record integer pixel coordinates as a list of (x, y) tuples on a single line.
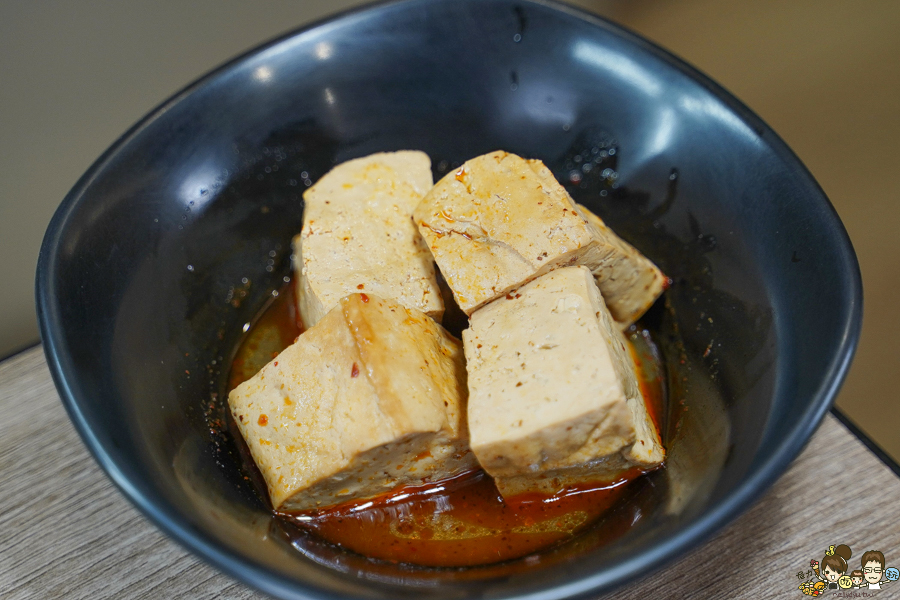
[(66, 532)]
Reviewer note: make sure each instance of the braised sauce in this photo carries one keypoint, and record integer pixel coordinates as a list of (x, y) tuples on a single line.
[(276, 328), (457, 522), (461, 522)]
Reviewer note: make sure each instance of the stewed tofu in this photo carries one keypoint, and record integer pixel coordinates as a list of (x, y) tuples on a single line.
[(629, 282), (500, 221), (370, 398), (358, 236), (553, 394)]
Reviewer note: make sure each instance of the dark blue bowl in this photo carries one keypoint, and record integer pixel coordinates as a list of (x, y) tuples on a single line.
[(180, 232)]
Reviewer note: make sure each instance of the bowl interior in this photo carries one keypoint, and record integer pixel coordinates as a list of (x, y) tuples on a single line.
[(178, 236)]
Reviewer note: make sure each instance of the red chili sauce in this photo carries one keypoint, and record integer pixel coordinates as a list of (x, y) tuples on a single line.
[(456, 522)]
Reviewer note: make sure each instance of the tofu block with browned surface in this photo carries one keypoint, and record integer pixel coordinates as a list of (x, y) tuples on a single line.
[(500, 221), (371, 398), (358, 236), (553, 393)]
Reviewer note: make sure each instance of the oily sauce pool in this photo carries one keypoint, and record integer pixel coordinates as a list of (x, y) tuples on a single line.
[(457, 522)]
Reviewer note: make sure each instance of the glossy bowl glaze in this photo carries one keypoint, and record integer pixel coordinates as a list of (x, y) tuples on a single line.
[(179, 233)]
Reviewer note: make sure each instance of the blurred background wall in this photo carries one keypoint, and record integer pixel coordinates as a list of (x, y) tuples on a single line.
[(825, 74)]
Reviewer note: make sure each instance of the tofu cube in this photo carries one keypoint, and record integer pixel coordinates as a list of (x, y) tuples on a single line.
[(553, 394), (371, 398), (358, 236), (629, 282), (501, 221)]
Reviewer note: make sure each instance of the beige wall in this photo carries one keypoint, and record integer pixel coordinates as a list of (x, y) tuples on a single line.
[(824, 73), (76, 74)]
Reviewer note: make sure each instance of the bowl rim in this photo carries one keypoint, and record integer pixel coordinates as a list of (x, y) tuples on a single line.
[(261, 577)]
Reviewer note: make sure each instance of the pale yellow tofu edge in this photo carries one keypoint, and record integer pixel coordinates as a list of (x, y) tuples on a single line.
[(629, 281), (358, 235), (322, 427), (609, 439), (494, 224)]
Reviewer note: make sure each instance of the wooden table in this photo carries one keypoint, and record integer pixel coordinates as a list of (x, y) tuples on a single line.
[(66, 532)]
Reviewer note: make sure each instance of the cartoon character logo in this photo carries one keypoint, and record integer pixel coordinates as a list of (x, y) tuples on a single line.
[(834, 565), (873, 568), (832, 572)]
